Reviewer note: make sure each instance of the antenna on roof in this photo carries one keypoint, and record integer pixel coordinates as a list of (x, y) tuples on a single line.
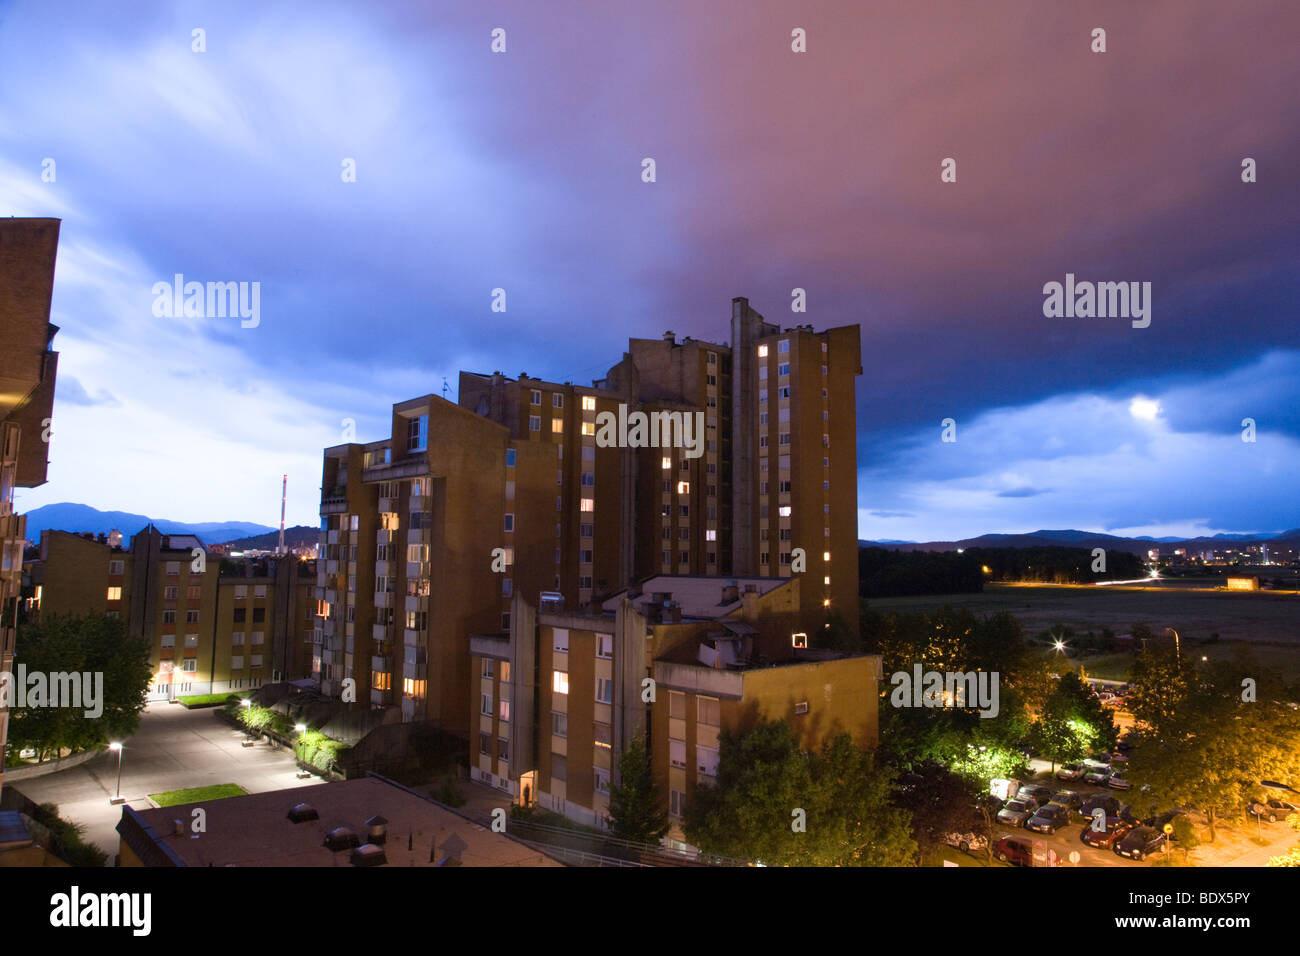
[(445, 387), (284, 494)]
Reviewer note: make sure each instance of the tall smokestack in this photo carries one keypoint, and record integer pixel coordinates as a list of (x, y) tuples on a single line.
[(284, 494)]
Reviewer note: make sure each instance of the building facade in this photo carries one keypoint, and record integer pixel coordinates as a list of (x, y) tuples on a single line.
[(28, 368), (429, 535), (212, 627)]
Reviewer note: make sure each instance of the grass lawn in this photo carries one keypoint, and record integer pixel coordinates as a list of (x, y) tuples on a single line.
[(218, 791), (953, 855), (206, 700)]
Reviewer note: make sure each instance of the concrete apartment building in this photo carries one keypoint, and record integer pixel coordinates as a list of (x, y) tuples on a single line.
[(208, 632), (560, 696), (434, 530), (28, 368)]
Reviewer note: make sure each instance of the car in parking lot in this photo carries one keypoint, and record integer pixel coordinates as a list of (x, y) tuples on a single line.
[(1014, 850), (1048, 819), (1105, 801), (1071, 799), (1108, 836), (1071, 771), (1016, 812), (1117, 781), (1097, 775), (1038, 795), (1140, 842), (1273, 809), (967, 842)]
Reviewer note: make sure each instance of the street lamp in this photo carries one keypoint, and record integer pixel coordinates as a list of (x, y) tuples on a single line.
[(300, 728), (1178, 644), (117, 798)]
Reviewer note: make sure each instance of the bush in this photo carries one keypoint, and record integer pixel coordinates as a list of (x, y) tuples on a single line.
[(314, 748), (68, 844)]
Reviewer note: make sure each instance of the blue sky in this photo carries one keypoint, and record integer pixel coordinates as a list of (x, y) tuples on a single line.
[(775, 170)]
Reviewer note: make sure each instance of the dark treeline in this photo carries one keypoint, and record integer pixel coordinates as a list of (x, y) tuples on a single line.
[(1056, 565), (883, 573)]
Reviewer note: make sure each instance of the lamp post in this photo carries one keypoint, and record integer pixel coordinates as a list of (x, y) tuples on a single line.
[(117, 798), (1178, 644)]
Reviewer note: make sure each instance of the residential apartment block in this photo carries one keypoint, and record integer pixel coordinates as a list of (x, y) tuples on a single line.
[(212, 627), (431, 534), (28, 368), (677, 659)]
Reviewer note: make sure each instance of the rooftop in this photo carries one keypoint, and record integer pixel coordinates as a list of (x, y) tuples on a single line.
[(255, 830), (699, 596)]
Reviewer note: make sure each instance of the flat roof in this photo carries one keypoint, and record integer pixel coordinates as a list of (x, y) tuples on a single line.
[(699, 595), (255, 830)]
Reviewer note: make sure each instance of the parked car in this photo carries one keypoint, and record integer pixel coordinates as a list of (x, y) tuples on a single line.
[(1068, 798), (1273, 809), (1016, 812), (1140, 842), (1014, 850), (1097, 775), (1106, 838), (967, 842), (1106, 802), (1071, 771), (1116, 781), (1039, 795), (1048, 819)]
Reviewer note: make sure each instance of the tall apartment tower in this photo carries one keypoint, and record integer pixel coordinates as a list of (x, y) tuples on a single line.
[(430, 534), (794, 477), (28, 366)]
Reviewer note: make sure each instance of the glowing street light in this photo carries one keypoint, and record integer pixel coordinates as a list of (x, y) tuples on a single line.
[(117, 797)]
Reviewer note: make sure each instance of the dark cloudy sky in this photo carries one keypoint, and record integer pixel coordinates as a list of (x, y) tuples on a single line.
[(776, 170)]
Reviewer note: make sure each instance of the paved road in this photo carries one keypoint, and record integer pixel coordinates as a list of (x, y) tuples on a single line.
[(175, 748)]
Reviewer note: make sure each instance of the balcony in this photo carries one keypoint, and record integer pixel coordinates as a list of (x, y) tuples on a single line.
[(381, 665), (381, 567), (332, 537), (420, 503), (381, 632), (386, 504), (335, 502), (412, 638), (412, 466), (418, 569), (416, 603), (384, 599), (417, 536)]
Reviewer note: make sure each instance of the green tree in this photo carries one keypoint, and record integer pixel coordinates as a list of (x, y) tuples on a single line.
[(1073, 722), (637, 808), (785, 806)]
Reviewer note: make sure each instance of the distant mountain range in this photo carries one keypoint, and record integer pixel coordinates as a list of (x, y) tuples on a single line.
[(1091, 539), (299, 536), (67, 516)]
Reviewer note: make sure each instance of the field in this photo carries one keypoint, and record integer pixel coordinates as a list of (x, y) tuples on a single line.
[(1268, 621), (219, 791)]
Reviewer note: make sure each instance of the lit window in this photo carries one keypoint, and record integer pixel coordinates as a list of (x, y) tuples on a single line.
[(510, 458), (826, 555), (557, 425), (605, 646), (589, 403), (560, 682), (589, 428), (114, 594), (683, 487), (785, 511), (602, 737), (667, 463), (588, 504), (826, 580), (762, 351), (710, 535)]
